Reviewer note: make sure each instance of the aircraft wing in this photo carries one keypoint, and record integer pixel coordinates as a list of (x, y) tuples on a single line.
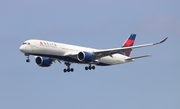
[(109, 52)]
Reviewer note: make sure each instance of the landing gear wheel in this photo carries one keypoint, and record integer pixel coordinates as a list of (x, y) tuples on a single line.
[(27, 60), (93, 67), (86, 68), (68, 67), (89, 67), (68, 70), (72, 69), (64, 70)]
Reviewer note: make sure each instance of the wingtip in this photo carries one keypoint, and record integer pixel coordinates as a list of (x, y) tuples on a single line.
[(149, 55), (164, 40), (161, 41)]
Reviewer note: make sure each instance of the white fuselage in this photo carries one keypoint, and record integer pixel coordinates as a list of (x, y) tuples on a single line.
[(63, 52)]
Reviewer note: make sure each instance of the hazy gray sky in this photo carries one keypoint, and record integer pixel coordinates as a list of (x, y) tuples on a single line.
[(149, 83)]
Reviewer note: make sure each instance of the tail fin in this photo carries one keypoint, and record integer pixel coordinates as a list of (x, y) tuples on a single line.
[(129, 42)]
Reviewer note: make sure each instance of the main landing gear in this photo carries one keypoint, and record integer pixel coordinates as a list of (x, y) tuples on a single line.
[(89, 67), (68, 67)]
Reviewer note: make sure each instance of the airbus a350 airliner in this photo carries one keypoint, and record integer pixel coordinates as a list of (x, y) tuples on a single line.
[(47, 52)]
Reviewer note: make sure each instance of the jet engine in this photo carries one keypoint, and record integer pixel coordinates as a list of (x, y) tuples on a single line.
[(43, 61), (85, 56)]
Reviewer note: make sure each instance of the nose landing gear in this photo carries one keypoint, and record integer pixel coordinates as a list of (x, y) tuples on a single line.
[(27, 60)]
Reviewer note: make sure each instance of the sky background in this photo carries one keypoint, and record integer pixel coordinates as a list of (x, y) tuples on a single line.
[(148, 83)]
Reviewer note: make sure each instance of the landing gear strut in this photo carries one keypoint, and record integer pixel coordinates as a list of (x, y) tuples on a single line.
[(27, 60), (89, 67), (68, 67)]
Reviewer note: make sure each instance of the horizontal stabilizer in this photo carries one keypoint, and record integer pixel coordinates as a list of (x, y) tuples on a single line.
[(131, 58)]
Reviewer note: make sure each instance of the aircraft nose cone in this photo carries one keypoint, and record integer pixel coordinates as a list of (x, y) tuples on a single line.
[(21, 48)]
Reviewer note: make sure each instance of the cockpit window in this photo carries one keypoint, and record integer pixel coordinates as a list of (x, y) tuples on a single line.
[(26, 43)]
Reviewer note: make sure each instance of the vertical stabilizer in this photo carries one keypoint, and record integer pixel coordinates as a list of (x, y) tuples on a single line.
[(129, 42)]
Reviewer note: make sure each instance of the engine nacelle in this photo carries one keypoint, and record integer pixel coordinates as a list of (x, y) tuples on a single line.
[(43, 61), (85, 56)]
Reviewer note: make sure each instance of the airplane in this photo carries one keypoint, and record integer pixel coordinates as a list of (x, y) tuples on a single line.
[(47, 52)]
